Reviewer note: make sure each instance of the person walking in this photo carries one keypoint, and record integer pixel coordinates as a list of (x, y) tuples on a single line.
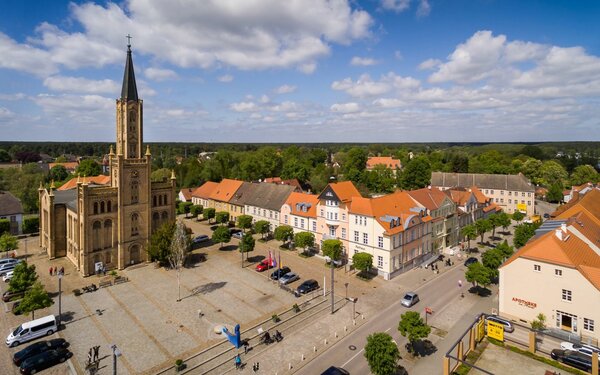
[(238, 362), (62, 271), (460, 283), (50, 271), (55, 271)]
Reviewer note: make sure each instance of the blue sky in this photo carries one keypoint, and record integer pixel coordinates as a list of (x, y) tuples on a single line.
[(304, 71)]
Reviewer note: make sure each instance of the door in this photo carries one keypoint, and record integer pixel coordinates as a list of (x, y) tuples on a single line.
[(134, 254), (566, 322)]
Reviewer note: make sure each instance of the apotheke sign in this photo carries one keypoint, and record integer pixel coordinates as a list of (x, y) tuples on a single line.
[(531, 305)]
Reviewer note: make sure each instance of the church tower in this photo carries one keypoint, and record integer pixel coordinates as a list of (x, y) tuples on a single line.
[(129, 115)]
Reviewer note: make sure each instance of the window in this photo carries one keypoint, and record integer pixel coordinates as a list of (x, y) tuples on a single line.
[(557, 272), (523, 194), (509, 201), (355, 236), (314, 226), (134, 224), (295, 221), (529, 203), (380, 241), (134, 192), (95, 208), (394, 241), (344, 233), (332, 231), (336, 216), (285, 219), (343, 217), (567, 295), (588, 324), (491, 192), (537, 267), (510, 193), (356, 220), (365, 238), (322, 213), (302, 223), (501, 192), (379, 261)]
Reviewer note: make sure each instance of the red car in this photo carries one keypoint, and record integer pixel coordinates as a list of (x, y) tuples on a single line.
[(263, 266)]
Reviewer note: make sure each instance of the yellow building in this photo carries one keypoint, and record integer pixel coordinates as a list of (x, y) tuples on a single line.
[(109, 226)]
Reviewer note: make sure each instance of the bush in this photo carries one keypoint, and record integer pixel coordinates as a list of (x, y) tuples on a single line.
[(275, 318), (296, 308), (31, 225), (4, 226)]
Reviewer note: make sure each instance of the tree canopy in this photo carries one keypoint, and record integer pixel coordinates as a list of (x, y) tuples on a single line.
[(382, 354), (362, 261), (244, 221), (88, 168), (263, 227), (35, 298), (478, 274), (24, 276), (208, 213), (160, 242), (221, 235), (416, 174), (283, 233), (222, 217), (411, 326), (304, 240), (8, 242), (332, 249)]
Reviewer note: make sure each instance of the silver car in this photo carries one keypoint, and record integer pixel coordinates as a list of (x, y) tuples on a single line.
[(7, 267), (508, 327), (288, 278), (581, 348), (410, 299)]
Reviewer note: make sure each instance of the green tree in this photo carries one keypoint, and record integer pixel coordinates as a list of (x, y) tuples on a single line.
[(208, 213), (482, 226), (362, 261), (539, 323), (494, 220), (518, 216), (503, 220), (263, 227), (354, 163), (196, 210), (411, 326), (244, 222), (180, 245), (506, 250), (185, 208), (478, 274), (382, 354), (88, 168), (31, 225), (160, 175), (333, 250), (552, 172), (523, 233), (584, 173), (470, 233), (247, 244), (222, 217), (160, 243), (221, 235), (35, 298), (294, 168), (8, 242), (4, 156), (58, 173), (24, 277), (304, 240), (4, 228), (555, 193), (492, 259), (283, 233), (416, 174)]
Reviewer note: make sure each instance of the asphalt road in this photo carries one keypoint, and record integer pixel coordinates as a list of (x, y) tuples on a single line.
[(437, 294)]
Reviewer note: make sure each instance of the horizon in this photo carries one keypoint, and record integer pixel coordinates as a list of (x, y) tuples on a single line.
[(365, 72)]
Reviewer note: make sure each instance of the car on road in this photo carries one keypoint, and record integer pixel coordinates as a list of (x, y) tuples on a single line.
[(410, 299), (7, 267), (581, 348), (44, 360), (280, 272), (288, 278), (508, 327), (8, 295), (335, 371), (37, 348), (200, 239), (8, 261), (264, 265), (307, 286), (470, 261), (237, 235), (7, 276), (546, 216), (572, 358), (234, 231)]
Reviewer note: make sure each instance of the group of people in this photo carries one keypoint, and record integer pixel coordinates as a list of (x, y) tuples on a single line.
[(55, 272)]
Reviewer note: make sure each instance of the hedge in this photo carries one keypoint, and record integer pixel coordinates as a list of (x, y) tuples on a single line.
[(31, 225)]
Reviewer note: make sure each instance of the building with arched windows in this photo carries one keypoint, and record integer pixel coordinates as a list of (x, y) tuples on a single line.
[(109, 225)]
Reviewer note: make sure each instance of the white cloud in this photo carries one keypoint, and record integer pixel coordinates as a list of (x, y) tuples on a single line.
[(81, 85), (11, 97), (244, 106), (424, 8), (158, 74), (363, 61), (395, 5), (308, 68), (225, 78), (285, 89), (345, 107), (365, 86), (429, 64), (25, 58)]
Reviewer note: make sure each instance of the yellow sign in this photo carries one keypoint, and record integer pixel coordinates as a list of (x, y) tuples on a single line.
[(480, 330), (495, 330), (522, 207)]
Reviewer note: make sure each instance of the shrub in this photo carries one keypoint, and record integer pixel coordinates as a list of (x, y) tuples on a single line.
[(296, 308), (31, 225), (275, 318)]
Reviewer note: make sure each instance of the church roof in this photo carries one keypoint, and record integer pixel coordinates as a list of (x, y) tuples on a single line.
[(129, 90)]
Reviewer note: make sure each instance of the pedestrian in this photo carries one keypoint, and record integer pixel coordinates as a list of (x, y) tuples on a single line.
[(55, 271), (460, 283), (50, 271), (90, 355), (104, 270), (96, 353), (254, 367), (246, 348), (62, 271), (238, 361)]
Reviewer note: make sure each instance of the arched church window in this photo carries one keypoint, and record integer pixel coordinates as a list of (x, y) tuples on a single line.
[(165, 199), (96, 235), (95, 208), (134, 224), (160, 202), (135, 187), (102, 207), (165, 216), (155, 220), (108, 238), (108, 206), (154, 201)]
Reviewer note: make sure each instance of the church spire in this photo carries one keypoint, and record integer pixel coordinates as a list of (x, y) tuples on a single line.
[(129, 90)]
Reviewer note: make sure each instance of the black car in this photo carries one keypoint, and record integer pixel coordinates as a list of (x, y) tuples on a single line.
[(470, 261), (572, 358), (307, 286), (280, 272), (37, 348), (44, 360), (335, 371)]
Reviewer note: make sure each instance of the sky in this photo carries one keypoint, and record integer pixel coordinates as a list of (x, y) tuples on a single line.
[(304, 70)]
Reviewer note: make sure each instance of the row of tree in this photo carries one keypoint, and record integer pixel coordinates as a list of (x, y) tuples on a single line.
[(25, 279)]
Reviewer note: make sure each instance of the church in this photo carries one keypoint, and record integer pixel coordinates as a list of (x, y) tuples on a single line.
[(109, 226)]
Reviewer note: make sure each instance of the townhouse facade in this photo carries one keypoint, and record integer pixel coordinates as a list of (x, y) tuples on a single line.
[(562, 269), (509, 192), (445, 230), (300, 212), (265, 202), (222, 194), (201, 195)]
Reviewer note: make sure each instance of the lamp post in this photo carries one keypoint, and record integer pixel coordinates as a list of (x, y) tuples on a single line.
[(346, 285), (59, 299), (116, 353)]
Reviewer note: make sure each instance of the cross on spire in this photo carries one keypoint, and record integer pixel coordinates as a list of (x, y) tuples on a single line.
[(128, 40)]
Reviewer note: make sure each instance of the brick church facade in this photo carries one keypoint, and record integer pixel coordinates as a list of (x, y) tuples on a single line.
[(110, 226)]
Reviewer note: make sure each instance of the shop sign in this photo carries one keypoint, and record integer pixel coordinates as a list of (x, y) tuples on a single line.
[(522, 302)]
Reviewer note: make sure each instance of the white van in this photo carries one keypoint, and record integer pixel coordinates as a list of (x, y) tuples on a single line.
[(32, 330)]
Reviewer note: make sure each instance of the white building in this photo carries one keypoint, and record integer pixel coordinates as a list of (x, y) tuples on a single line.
[(300, 212)]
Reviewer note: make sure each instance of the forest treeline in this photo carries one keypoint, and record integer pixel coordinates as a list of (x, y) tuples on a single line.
[(552, 165)]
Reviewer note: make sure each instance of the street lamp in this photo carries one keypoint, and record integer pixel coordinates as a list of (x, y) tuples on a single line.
[(116, 353), (59, 298), (346, 285)]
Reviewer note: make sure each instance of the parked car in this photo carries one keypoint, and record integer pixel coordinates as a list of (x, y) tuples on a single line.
[(410, 299), (238, 235), (201, 238), (572, 358), (8, 260), (288, 278), (32, 330), (7, 276), (546, 216), (508, 327), (37, 348), (581, 348), (234, 231), (263, 266), (470, 261), (7, 267), (44, 360), (280, 272), (335, 371), (7, 296), (307, 286)]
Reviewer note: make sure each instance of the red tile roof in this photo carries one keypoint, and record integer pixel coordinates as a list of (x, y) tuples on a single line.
[(305, 200), (205, 190), (96, 180), (345, 190), (387, 161), (226, 189)]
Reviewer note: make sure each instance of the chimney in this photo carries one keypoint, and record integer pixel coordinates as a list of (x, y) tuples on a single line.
[(563, 227), (559, 234)]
